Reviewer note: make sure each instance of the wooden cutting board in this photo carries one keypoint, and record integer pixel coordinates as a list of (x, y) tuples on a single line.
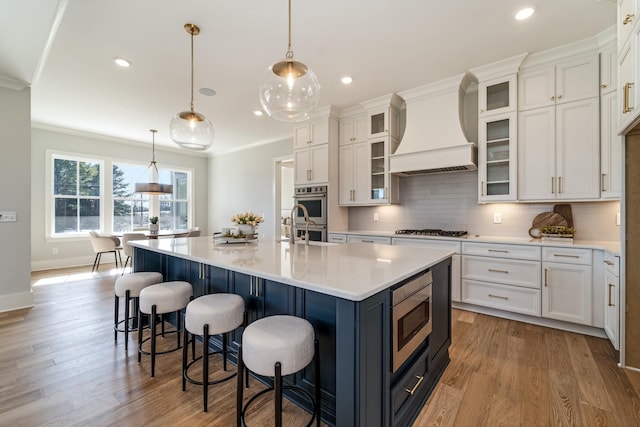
[(548, 218), (565, 211)]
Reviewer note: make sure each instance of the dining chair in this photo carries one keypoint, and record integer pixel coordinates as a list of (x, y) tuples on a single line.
[(103, 244), (127, 249)]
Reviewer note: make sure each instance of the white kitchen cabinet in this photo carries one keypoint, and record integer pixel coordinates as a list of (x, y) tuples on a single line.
[(612, 301), (353, 129), (312, 165), (383, 116), (497, 158), (439, 244), (384, 188), (351, 238), (501, 276), (627, 20), (571, 80), (608, 69), (497, 96), (610, 148), (337, 238), (567, 285), (311, 132), (559, 152), (354, 174), (628, 83)]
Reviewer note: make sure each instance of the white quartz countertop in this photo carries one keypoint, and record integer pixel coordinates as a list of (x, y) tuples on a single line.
[(353, 271), (611, 246)]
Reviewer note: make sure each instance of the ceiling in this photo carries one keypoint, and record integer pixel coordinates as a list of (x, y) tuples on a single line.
[(65, 49)]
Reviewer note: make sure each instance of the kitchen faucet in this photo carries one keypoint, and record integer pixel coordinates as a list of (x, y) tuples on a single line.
[(305, 212)]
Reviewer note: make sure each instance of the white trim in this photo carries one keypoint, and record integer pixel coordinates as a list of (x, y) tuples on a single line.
[(16, 301), (540, 321), (52, 264), (13, 84), (62, 6)]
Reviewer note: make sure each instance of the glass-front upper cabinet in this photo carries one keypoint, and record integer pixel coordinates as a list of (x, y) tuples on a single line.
[(497, 96), (384, 186), (497, 158)]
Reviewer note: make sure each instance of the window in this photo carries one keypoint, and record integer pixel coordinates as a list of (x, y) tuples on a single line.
[(130, 210), (77, 195)]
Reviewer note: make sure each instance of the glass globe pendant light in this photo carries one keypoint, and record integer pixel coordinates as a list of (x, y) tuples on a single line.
[(291, 90), (190, 129), (153, 188)]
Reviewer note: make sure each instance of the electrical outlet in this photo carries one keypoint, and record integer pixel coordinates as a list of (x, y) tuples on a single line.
[(497, 218), (54, 251), (7, 217), (617, 218), (375, 216)]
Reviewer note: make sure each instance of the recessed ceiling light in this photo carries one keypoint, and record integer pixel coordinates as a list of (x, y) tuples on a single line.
[(122, 62), (346, 80), (207, 91), (524, 13), (257, 112)]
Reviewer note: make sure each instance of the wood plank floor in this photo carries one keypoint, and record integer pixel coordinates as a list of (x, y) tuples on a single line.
[(59, 367)]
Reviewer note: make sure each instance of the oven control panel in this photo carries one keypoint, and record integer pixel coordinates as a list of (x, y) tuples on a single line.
[(319, 189)]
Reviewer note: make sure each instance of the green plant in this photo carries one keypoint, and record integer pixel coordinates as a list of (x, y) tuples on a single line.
[(153, 219)]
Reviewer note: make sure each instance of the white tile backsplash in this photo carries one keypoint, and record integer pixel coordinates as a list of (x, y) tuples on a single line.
[(450, 201)]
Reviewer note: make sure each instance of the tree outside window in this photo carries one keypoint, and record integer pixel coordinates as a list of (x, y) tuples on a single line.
[(130, 210)]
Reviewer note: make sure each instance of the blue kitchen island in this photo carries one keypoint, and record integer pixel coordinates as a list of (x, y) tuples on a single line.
[(345, 291)]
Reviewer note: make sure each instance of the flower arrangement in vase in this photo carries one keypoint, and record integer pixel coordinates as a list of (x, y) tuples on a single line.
[(247, 222), (154, 227)]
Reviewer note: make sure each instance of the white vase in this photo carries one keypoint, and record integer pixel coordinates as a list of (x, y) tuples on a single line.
[(154, 228), (246, 229)]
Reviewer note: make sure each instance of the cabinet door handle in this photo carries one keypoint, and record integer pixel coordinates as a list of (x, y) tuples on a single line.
[(545, 278), (553, 98), (498, 296), (559, 96), (628, 18), (553, 187), (482, 188), (251, 285), (559, 184), (566, 256), (503, 251), (602, 187), (415, 387), (626, 92), (608, 262), (256, 286), (602, 86), (498, 271), (609, 292)]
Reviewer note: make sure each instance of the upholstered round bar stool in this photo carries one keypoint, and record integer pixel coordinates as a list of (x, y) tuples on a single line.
[(159, 299), (275, 346), (214, 314), (129, 287)]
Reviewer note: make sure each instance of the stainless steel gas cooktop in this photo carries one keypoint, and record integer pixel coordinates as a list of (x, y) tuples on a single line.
[(433, 232)]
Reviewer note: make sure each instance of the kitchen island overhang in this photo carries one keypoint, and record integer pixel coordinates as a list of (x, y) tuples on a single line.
[(345, 292)]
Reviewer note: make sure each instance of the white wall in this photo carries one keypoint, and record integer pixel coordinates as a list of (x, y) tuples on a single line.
[(72, 252), (244, 181), (450, 201), (15, 186)]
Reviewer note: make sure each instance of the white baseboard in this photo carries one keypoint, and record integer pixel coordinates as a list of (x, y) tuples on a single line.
[(16, 301), (52, 264), (540, 321)]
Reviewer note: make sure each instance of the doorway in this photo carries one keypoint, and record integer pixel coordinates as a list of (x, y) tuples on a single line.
[(283, 195)]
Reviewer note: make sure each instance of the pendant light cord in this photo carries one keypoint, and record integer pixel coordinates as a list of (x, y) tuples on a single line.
[(289, 54), (153, 151), (191, 104)]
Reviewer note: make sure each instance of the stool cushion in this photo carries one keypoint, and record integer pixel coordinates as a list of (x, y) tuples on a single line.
[(222, 312), (285, 339), (167, 297), (135, 282)]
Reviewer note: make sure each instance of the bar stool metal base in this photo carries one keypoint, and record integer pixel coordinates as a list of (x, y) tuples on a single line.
[(154, 335)]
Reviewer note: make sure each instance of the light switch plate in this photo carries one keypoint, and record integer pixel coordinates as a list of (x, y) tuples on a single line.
[(497, 218), (7, 217)]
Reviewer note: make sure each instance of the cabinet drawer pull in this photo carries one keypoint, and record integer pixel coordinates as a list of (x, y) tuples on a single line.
[(366, 241), (545, 278), (498, 250), (625, 96), (415, 387), (498, 271), (566, 256), (628, 18), (498, 296), (609, 292), (602, 188)]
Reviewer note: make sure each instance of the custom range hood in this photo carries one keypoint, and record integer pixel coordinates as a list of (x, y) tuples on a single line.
[(441, 128)]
